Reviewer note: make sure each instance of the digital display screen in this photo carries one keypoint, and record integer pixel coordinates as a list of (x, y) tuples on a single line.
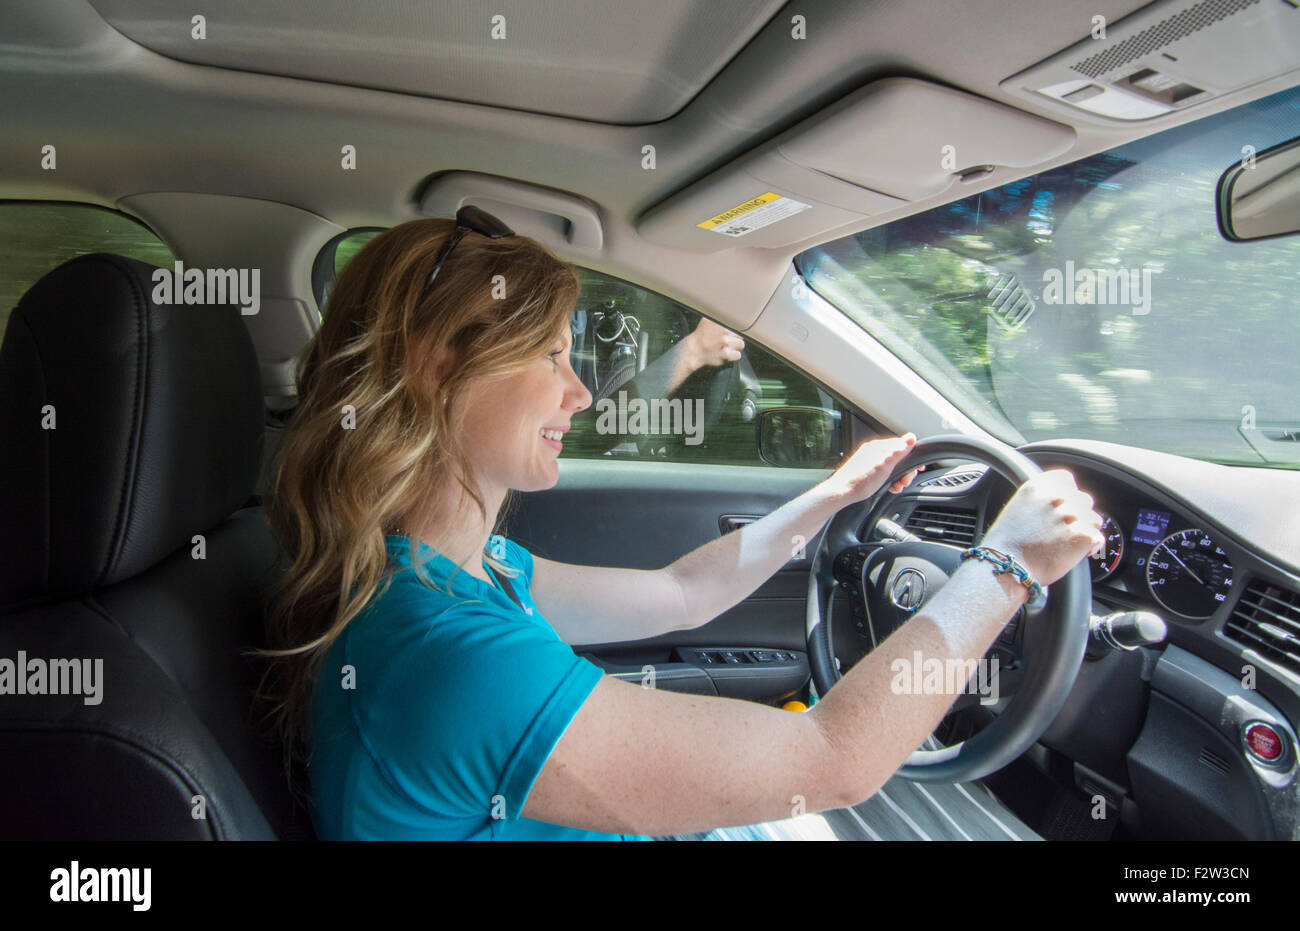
[(1151, 526)]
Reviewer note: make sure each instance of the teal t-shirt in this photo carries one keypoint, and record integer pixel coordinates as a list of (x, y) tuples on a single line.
[(435, 712)]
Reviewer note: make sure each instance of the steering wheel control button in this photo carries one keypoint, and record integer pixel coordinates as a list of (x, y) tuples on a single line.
[(1263, 742)]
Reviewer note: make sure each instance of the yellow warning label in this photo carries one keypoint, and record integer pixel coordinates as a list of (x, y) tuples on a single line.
[(737, 211), (753, 214)]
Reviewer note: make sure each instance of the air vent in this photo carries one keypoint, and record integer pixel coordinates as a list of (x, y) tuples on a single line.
[(1214, 761), (944, 524), (953, 479), (1267, 619)]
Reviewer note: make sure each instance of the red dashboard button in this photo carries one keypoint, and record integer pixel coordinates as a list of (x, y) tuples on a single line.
[(1265, 742)]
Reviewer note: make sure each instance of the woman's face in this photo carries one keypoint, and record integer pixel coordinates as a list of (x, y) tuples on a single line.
[(505, 417)]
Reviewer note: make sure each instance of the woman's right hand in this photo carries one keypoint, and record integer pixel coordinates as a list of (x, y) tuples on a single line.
[(1049, 525)]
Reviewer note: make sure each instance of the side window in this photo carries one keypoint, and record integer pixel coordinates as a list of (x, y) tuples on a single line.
[(39, 237), (333, 256), (661, 384)]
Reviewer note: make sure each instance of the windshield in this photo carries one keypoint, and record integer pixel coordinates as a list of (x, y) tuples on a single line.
[(1098, 300)]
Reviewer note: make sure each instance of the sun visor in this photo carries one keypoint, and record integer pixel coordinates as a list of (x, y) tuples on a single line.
[(893, 142)]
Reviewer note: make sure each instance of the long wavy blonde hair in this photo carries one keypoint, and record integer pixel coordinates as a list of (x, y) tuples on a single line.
[(372, 439)]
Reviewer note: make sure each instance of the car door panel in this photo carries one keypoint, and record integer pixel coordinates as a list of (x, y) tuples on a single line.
[(645, 515)]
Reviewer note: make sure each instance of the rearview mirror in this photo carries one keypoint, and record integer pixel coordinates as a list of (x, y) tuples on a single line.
[(807, 437), (1259, 197)]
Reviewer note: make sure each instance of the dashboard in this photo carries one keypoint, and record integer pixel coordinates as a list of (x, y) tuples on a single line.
[(1214, 552)]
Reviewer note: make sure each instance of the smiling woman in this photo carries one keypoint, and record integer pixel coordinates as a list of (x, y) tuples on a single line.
[(389, 435), (435, 703)]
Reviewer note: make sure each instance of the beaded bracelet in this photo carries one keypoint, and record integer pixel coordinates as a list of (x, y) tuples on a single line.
[(1003, 563)]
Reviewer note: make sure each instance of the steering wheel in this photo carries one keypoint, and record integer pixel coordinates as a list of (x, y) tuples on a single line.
[(1055, 633)]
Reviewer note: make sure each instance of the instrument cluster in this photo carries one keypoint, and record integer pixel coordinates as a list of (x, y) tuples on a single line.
[(1152, 552)]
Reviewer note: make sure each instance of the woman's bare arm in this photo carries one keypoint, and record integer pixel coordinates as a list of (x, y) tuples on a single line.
[(596, 604), (638, 760), (645, 761), (592, 604), (723, 572)]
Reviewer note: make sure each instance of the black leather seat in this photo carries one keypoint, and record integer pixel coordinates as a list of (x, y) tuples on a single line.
[(129, 430)]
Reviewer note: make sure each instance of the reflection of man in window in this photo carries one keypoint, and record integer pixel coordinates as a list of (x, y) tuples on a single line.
[(609, 348), (788, 440)]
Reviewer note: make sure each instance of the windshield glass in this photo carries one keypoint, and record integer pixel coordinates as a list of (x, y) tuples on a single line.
[(1098, 300)]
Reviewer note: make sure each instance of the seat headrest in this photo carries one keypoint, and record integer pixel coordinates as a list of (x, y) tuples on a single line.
[(129, 426)]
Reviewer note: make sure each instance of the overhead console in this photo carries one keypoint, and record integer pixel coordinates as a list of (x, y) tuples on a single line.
[(1165, 58), (893, 142)]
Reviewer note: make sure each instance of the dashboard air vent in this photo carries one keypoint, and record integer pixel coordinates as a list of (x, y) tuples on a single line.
[(1267, 619), (1217, 763), (943, 524), (953, 479)]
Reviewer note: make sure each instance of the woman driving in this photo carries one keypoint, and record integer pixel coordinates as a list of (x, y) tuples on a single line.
[(423, 662)]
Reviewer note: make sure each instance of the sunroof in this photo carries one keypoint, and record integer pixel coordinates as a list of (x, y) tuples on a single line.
[(586, 59)]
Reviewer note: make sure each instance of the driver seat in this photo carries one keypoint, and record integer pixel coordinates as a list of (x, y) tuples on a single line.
[(129, 563)]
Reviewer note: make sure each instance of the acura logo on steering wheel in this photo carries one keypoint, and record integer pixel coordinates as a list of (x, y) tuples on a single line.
[(908, 590)]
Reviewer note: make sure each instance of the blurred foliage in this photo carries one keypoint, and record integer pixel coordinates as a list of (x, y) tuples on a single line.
[(348, 248), (1205, 364), (39, 237)]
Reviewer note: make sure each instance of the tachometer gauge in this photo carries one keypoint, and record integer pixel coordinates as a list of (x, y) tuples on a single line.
[(1189, 573), (1107, 561)]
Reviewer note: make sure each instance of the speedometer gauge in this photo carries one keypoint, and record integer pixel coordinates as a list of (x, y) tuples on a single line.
[(1189, 573), (1107, 561)]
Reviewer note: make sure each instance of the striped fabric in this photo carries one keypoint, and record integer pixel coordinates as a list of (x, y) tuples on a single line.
[(902, 810)]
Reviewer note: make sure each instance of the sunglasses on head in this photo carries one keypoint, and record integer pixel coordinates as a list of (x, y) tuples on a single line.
[(468, 220)]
